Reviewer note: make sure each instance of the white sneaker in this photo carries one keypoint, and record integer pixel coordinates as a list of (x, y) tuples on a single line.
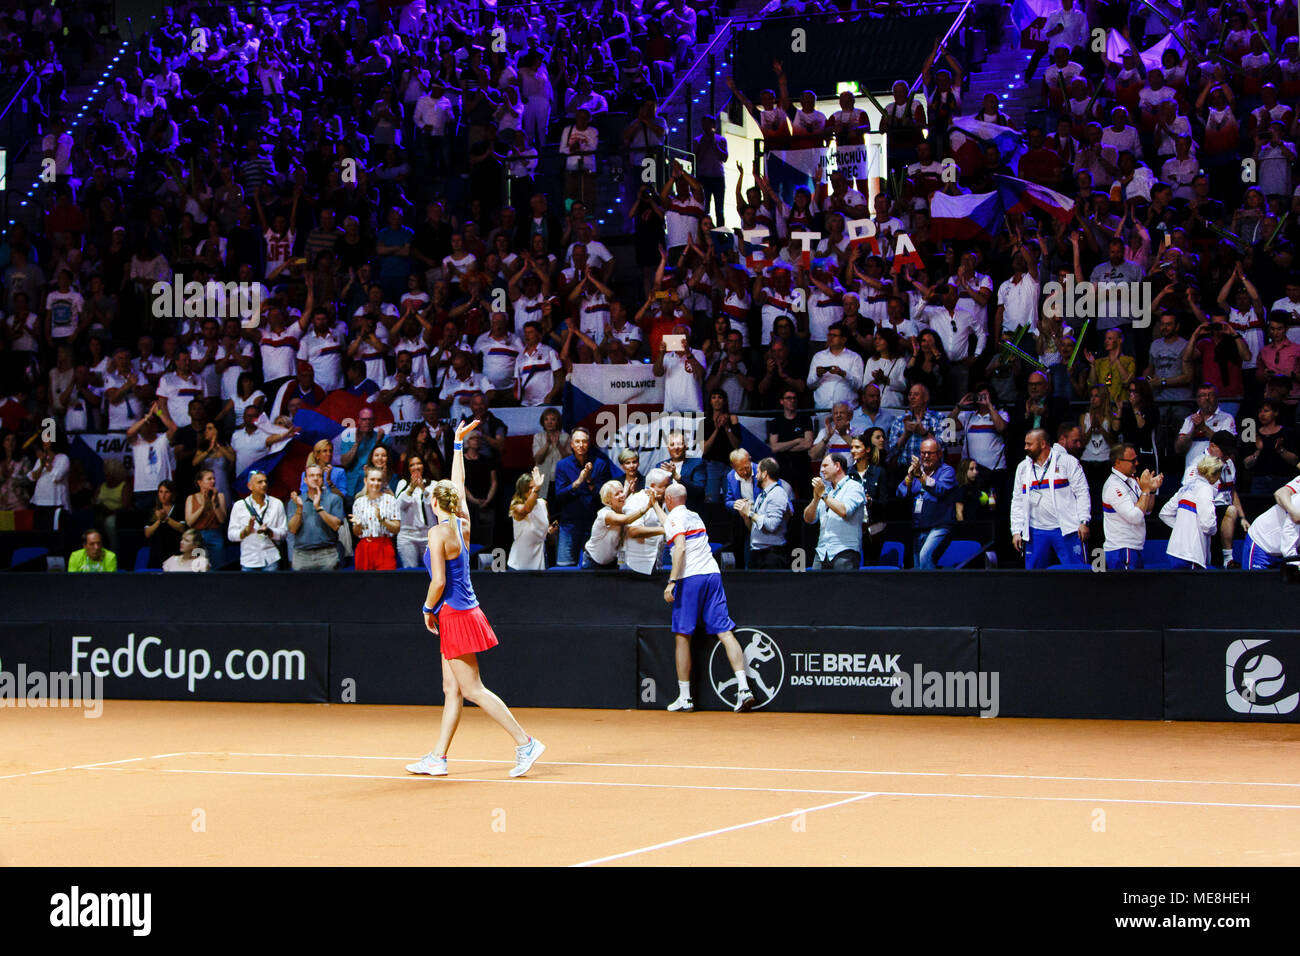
[(526, 756), (684, 704), (744, 702), (429, 764)]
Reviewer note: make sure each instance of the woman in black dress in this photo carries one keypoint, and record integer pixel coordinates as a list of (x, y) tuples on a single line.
[(1138, 418)]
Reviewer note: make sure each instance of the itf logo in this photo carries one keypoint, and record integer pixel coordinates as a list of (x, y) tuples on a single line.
[(764, 668), (1257, 681)]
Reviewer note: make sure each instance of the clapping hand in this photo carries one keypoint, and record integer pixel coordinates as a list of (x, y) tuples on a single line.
[(1150, 483)]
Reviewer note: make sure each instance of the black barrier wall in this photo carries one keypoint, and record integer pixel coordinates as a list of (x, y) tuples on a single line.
[(1124, 646)]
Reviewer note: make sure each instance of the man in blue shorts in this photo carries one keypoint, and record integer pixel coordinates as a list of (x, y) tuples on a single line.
[(695, 592)]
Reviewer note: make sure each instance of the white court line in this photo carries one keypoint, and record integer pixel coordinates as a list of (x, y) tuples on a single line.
[(730, 829), (566, 783), (674, 786), (686, 766), (81, 766)]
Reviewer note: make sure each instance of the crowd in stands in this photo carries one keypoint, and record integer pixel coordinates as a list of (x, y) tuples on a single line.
[(378, 177)]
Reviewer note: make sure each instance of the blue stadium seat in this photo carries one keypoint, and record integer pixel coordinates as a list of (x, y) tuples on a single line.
[(1154, 553), (24, 555), (1238, 551), (891, 554), (880, 567), (958, 553), (142, 559)]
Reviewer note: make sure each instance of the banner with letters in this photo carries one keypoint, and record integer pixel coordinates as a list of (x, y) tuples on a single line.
[(835, 670), (788, 169), (177, 660)]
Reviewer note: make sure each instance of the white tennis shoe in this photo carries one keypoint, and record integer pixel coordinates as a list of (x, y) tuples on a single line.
[(429, 764), (684, 704), (526, 756), (744, 701)]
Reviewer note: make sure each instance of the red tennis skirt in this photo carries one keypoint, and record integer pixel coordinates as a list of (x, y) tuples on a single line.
[(375, 554), (464, 632)]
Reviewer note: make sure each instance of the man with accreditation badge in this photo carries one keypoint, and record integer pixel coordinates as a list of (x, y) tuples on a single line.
[(1125, 503)]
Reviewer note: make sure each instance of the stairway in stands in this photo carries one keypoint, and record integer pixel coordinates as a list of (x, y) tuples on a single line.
[(1003, 74)]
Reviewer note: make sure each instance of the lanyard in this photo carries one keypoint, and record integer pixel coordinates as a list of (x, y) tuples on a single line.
[(252, 509)]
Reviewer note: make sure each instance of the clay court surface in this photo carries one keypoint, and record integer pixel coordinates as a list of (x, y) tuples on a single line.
[(303, 784)]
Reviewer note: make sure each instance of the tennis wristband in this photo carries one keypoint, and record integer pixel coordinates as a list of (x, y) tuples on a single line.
[(429, 610), (457, 446)]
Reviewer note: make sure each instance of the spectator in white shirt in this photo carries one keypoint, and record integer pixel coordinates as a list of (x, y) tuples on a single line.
[(323, 349), (1199, 427), (152, 456), (1120, 135), (50, 474), (181, 387), (405, 390), (415, 507), (187, 560), (606, 540), (497, 350), (461, 384), (578, 143), (835, 373), (683, 373), (258, 523), (376, 520), (539, 373)]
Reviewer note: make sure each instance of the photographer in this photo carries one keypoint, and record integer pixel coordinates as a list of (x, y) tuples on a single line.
[(1221, 352), (258, 524)]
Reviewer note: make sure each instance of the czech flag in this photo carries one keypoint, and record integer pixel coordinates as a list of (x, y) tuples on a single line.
[(285, 460), (970, 136), (1021, 196), (972, 216)]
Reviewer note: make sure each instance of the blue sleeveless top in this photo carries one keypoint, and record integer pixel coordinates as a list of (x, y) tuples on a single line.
[(458, 593)]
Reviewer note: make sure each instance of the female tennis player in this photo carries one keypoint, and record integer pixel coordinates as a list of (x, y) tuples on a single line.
[(451, 612)]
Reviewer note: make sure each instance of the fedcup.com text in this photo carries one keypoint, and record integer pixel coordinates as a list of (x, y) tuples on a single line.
[(151, 660), (36, 688)]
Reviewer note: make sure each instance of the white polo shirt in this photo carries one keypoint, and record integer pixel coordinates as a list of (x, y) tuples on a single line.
[(687, 525), (683, 392), (324, 353), (1123, 522), (1019, 301), (499, 357), (983, 443), (1219, 421), (279, 353), (179, 392), (460, 391), (536, 373), (1274, 532)]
